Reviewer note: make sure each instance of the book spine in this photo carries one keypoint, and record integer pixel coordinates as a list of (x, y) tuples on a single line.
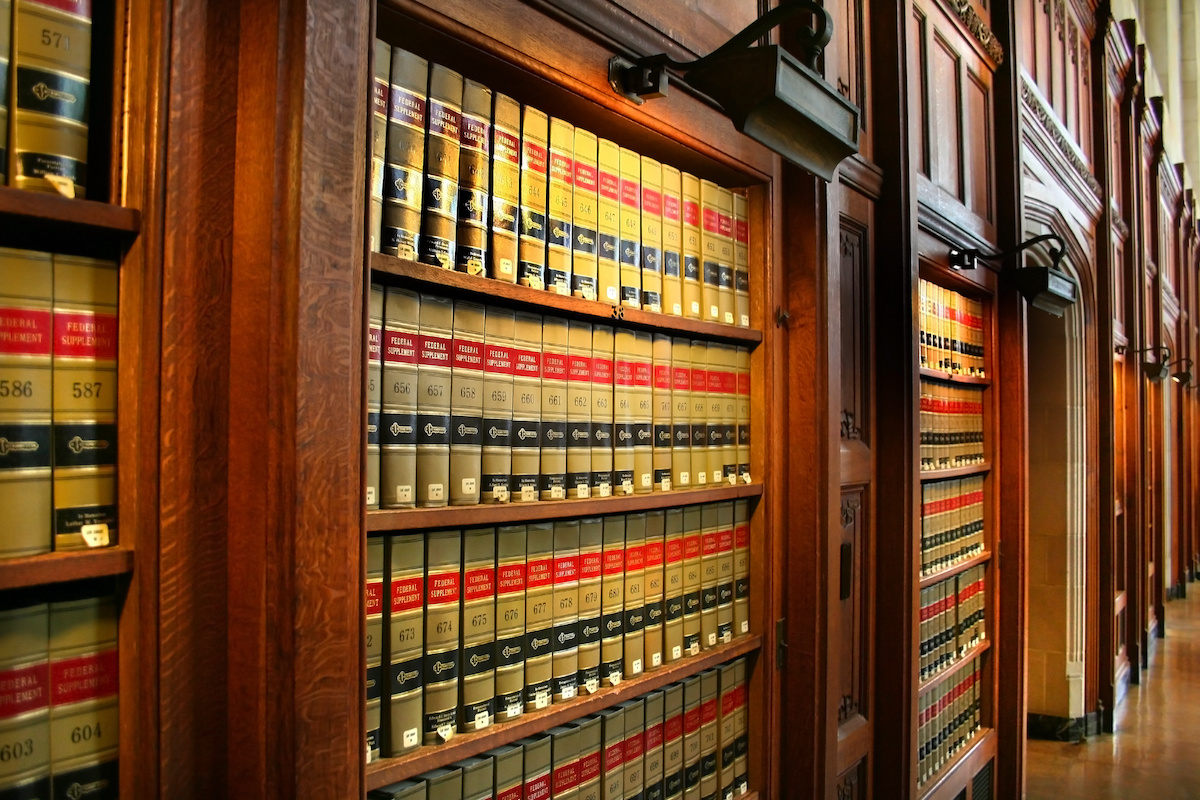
[(603, 405), (539, 615), (699, 415), (510, 622), (725, 529), (509, 772), (25, 700), (681, 413), (633, 749), (498, 368), (709, 569), (374, 645), (585, 228), (709, 735), (443, 121), (673, 743), (527, 408), (531, 254), (374, 391), (635, 594), (612, 624), (505, 187), (404, 161), (85, 402), (691, 738), (662, 410), (714, 412), (729, 414), (624, 415), (673, 582), (589, 759), (84, 724), (565, 764), (643, 413), (579, 410), (474, 162), (725, 257), (537, 769), (51, 74), (608, 274), (26, 371), (398, 414), (466, 404), (672, 238), (741, 764), (478, 626), (591, 589), (405, 633), (560, 207), (693, 250), (552, 481), (693, 544), (727, 725), (741, 568), (379, 126), (631, 229), (742, 413), (711, 241), (652, 235), (434, 378), (741, 260), (443, 610), (655, 550), (613, 755), (566, 610), (923, 322)]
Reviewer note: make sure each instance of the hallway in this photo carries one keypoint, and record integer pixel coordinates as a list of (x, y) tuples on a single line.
[(1156, 750)]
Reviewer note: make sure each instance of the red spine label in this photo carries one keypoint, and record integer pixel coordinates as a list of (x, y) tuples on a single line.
[(691, 547), (716, 382), (635, 558), (538, 788), (585, 176), (589, 767), (374, 343), (629, 193), (662, 376), (407, 108), (24, 689), (539, 573), (80, 8), (435, 351), (726, 225), (444, 120), (614, 561), (407, 594), (443, 588), (654, 737), (498, 360), (634, 747), (374, 597), (691, 720), (468, 354), (725, 541), (741, 537), (614, 756), (691, 213), (73, 680), (508, 147), (566, 569), (527, 363), (481, 583), (642, 373), (654, 554), (510, 794), (561, 168), (708, 711), (400, 347), (743, 231), (474, 134), (651, 201), (743, 383), (699, 380), (566, 777), (710, 544), (511, 579), (535, 157), (670, 207), (25, 331), (674, 551), (591, 565), (673, 728), (554, 366), (623, 375), (712, 221), (610, 186), (728, 703), (602, 371), (681, 379), (580, 369), (78, 334)]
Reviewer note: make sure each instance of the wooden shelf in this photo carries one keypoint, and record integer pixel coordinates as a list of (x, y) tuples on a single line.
[(983, 740), (389, 770), (487, 290), (401, 519), (17, 573), (930, 683), (950, 377), (956, 472), (951, 571), (50, 220)]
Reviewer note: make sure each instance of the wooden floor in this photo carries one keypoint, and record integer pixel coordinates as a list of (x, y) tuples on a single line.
[(1155, 752)]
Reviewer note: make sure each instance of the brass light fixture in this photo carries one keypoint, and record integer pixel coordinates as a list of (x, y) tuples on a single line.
[(1157, 371), (1044, 287), (770, 96), (1184, 374)]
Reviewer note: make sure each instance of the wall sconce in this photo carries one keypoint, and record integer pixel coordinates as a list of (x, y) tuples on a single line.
[(768, 94), (1184, 375), (1044, 287), (1156, 371)]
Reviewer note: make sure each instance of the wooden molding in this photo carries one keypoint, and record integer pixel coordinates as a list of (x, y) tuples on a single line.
[(1053, 128)]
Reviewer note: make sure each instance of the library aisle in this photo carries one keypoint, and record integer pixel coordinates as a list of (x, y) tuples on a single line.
[(1154, 751)]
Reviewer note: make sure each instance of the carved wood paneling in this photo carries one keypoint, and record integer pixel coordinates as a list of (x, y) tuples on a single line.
[(852, 784), (855, 597), (855, 307)]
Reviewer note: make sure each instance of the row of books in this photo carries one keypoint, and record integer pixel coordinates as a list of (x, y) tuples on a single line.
[(58, 695), (45, 57), (952, 619), (951, 522), (469, 628), (951, 425), (469, 403), (467, 179), (951, 326), (58, 402), (687, 741), (948, 715)]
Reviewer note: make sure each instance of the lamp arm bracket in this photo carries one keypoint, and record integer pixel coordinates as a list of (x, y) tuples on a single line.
[(965, 258)]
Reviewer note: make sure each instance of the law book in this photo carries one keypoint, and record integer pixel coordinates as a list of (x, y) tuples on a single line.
[(672, 238), (591, 590), (531, 246), (379, 125), (624, 415), (643, 412), (5, 47), (509, 763), (510, 622), (565, 657), (474, 163), (653, 739), (691, 737), (443, 610), (527, 407), (725, 257), (26, 345), (552, 481), (444, 783), (655, 583), (434, 379), (51, 76), (560, 207), (478, 626), (398, 410), (613, 755), (725, 557), (404, 155), (585, 227), (693, 248), (633, 749), (741, 763), (630, 245), (742, 414), (741, 260), (709, 732), (681, 413), (729, 413), (714, 413), (711, 244), (539, 615), (652, 235), (612, 604), (84, 721), (404, 631), (466, 404), (693, 539), (564, 759), (603, 403), (635, 595), (374, 390), (439, 211), (498, 368), (727, 728), (25, 695), (505, 188), (608, 247), (673, 585), (85, 402), (699, 415), (590, 745), (374, 644), (709, 571), (662, 410), (741, 568), (401, 790), (673, 742), (536, 778), (579, 410), (923, 322)]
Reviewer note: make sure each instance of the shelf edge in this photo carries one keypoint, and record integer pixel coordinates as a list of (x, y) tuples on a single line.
[(51, 568), (953, 669), (951, 571)]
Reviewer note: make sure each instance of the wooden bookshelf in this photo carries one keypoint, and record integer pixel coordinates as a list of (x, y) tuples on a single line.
[(954, 666), (950, 377), (955, 472), (954, 569), (974, 754), (403, 519), (51, 568), (388, 770), (29, 216)]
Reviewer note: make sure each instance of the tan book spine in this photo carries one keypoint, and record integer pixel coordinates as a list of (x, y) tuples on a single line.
[(537, 766), (590, 745), (709, 732), (5, 50), (673, 586), (374, 644), (631, 229), (672, 236), (725, 532), (691, 737), (656, 547), (443, 612), (741, 260), (404, 158), (527, 407), (709, 569), (729, 413), (923, 323), (566, 610), (662, 410), (699, 416), (693, 544), (652, 235), (434, 378), (693, 249), (634, 747), (531, 261), (560, 207), (564, 748), (404, 630), (374, 391), (673, 742), (727, 728), (608, 275), (398, 415), (591, 590), (26, 347), (466, 404), (443, 119), (743, 414), (379, 124), (510, 622), (624, 416), (635, 594), (478, 626), (539, 615), (643, 413), (710, 237), (741, 764), (741, 568), (505, 187), (603, 403), (725, 256), (497, 425), (552, 482), (681, 413), (585, 224), (509, 771), (579, 410), (613, 755), (612, 624), (25, 697), (474, 169), (714, 413)]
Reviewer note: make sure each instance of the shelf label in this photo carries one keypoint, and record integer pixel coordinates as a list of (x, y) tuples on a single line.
[(95, 535)]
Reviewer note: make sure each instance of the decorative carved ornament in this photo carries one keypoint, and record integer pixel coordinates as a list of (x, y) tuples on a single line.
[(1050, 124), (979, 29), (847, 708), (846, 788), (1120, 227), (849, 429), (1060, 17), (850, 509)]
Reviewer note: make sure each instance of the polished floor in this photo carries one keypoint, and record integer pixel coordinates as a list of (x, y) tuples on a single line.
[(1155, 752)]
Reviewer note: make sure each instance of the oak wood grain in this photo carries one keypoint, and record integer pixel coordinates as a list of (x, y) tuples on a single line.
[(49, 568)]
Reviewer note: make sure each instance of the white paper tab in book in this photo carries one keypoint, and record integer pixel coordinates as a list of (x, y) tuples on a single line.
[(95, 535)]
